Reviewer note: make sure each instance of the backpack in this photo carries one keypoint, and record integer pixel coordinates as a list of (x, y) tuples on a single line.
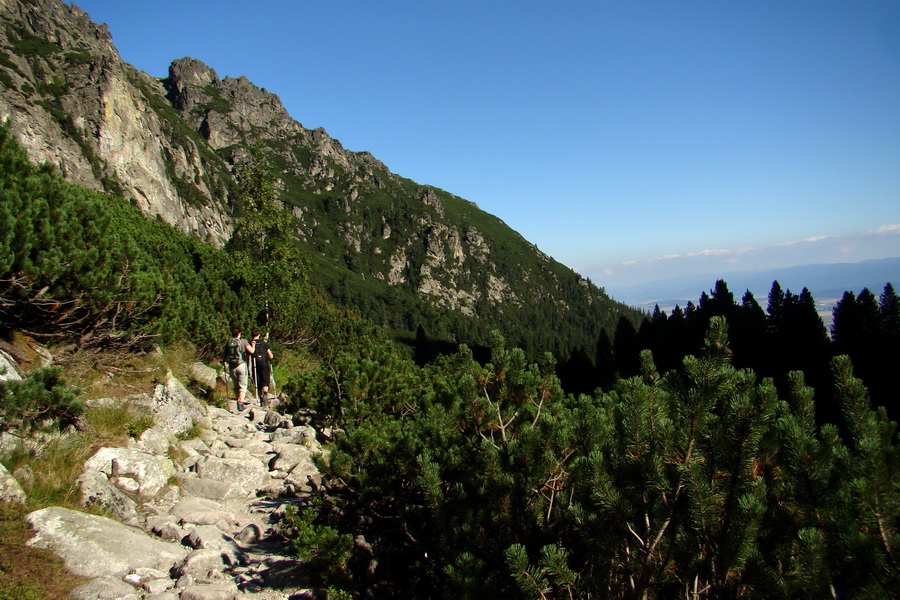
[(233, 354)]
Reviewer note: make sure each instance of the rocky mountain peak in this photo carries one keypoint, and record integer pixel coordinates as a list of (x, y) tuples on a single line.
[(172, 145)]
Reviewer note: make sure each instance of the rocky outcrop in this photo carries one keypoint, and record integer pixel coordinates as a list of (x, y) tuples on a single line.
[(194, 518), (10, 490), (208, 530), (174, 145), (74, 103), (94, 546), (8, 369)]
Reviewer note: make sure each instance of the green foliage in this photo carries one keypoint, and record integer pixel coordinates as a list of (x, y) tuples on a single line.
[(19, 590), (217, 102), (326, 549), (78, 58), (117, 422), (265, 252), (28, 44), (92, 267), (41, 401), (487, 481)]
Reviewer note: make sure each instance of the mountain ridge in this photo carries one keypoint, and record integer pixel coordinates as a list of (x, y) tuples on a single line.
[(406, 254)]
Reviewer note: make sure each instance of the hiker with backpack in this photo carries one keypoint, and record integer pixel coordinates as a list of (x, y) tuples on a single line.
[(262, 367), (237, 351)]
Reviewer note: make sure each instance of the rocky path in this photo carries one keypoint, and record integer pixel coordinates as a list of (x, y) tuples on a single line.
[(192, 519)]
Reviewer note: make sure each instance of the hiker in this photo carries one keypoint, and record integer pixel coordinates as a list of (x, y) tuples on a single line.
[(237, 350), (262, 367)]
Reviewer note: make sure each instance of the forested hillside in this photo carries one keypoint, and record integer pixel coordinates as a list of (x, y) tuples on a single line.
[(486, 478), (526, 437), (407, 256)]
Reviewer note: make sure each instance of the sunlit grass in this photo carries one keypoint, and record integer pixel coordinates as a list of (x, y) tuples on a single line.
[(29, 573)]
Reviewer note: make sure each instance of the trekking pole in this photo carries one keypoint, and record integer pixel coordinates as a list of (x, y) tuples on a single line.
[(255, 379)]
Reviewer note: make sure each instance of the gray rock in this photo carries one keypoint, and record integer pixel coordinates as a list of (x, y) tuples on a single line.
[(97, 490), (10, 490), (8, 368), (158, 586), (174, 408), (212, 591), (147, 574), (253, 445), (302, 472), (249, 473), (94, 546), (194, 447), (211, 489), (155, 440), (149, 473), (201, 511), (239, 454), (272, 418), (105, 588), (203, 376), (192, 505), (202, 565), (275, 489), (166, 527), (208, 537), (289, 456), (301, 434), (250, 534)]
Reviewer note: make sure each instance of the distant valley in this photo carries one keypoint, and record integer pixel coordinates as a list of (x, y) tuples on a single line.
[(826, 282)]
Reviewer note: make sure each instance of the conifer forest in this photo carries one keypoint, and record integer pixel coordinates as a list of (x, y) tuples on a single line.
[(728, 449)]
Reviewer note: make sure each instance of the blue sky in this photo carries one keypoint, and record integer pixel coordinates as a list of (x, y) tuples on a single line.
[(631, 141)]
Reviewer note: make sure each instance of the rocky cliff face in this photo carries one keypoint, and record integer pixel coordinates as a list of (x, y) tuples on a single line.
[(74, 103), (171, 145)]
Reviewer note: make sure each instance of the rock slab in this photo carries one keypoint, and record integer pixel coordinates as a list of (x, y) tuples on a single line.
[(94, 546)]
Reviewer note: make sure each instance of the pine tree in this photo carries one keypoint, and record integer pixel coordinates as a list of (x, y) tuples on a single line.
[(748, 334), (266, 254), (870, 557), (889, 311)]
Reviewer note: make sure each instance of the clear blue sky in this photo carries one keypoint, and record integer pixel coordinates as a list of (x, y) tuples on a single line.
[(628, 140)]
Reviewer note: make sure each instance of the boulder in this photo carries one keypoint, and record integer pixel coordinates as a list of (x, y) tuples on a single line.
[(212, 489), (94, 546), (166, 527), (249, 473), (10, 490), (289, 456), (205, 377), (8, 369), (201, 511), (105, 588), (174, 408), (136, 471), (211, 591), (210, 537), (96, 489), (158, 586), (202, 565)]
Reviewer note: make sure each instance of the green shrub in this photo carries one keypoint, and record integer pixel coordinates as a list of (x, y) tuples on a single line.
[(326, 549), (41, 401)]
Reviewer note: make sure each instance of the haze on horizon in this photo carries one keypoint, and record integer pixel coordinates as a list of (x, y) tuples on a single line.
[(630, 141)]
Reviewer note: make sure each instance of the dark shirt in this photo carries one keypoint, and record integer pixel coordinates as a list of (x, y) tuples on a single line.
[(261, 354)]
